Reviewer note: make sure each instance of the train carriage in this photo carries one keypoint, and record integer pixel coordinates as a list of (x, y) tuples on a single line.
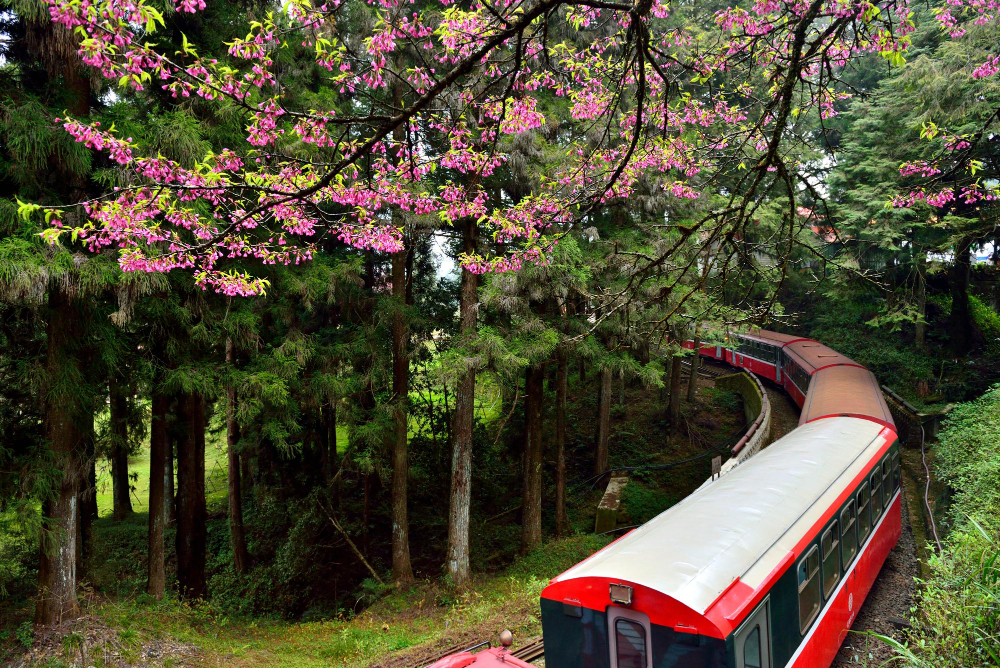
[(800, 360), (760, 352), (768, 565), (761, 568)]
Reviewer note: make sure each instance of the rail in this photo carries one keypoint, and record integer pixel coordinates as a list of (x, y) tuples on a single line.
[(756, 407), (530, 650)]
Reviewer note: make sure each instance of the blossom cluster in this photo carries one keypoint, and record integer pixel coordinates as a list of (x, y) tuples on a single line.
[(481, 75)]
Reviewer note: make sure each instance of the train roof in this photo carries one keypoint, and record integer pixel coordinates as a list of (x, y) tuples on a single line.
[(776, 338), (848, 391), (741, 528), (812, 355)]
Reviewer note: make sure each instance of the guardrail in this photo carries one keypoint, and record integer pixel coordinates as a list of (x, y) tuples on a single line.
[(756, 409)]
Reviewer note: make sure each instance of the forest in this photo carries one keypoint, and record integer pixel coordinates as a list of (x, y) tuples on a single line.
[(322, 325)]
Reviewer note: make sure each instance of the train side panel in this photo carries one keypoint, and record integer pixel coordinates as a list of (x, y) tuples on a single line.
[(821, 644)]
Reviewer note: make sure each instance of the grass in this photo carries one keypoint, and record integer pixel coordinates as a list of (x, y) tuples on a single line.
[(422, 620)]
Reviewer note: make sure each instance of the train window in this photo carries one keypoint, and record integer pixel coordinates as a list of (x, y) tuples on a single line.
[(808, 588), (876, 483), (848, 534), (864, 516), (831, 558), (797, 374), (895, 470), (887, 486), (630, 644), (751, 649)]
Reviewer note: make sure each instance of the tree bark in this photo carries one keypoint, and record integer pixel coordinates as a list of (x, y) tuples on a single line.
[(457, 562), (695, 362), (562, 382), (241, 559), (57, 569), (531, 491), (191, 532), (156, 575), (960, 323), (88, 494), (120, 485), (169, 491), (603, 423), (402, 571)]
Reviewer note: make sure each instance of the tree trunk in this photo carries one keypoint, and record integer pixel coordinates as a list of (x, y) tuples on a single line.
[(191, 533), (120, 484), (64, 410), (402, 571), (57, 576), (603, 423), (169, 492), (241, 560), (562, 382), (531, 494), (457, 562), (695, 362), (960, 323), (87, 497), (675, 391), (159, 451), (88, 493)]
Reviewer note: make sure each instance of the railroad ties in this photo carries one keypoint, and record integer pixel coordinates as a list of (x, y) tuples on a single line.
[(531, 649)]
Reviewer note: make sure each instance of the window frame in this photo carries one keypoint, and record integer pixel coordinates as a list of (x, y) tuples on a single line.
[(867, 510), (756, 629), (849, 530), (759, 619), (614, 614), (875, 485), (831, 533), (644, 637), (897, 476), (815, 576)]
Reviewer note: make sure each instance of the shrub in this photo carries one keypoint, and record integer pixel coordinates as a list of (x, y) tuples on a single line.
[(960, 601), (988, 322)]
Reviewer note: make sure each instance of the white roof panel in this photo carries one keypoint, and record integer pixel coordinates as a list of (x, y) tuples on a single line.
[(693, 551)]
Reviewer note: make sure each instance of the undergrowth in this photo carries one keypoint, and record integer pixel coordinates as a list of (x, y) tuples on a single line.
[(958, 623)]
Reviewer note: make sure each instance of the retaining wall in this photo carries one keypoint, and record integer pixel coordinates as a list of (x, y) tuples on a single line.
[(756, 409)]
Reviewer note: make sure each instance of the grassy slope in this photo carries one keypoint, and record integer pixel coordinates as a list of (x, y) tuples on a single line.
[(423, 620), (419, 622)]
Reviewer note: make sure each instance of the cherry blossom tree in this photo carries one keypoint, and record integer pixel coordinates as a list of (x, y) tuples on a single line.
[(679, 95)]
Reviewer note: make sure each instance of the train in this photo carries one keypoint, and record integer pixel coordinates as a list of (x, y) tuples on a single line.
[(766, 566)]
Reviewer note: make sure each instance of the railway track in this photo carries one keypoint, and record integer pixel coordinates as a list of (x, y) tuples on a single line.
[(531, 649), (706, 371)]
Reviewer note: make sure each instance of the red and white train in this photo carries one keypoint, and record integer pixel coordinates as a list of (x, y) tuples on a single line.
[(765, 567)]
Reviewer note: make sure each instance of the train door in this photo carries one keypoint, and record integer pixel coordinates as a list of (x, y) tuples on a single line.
[(753, 641), (630, 644)]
